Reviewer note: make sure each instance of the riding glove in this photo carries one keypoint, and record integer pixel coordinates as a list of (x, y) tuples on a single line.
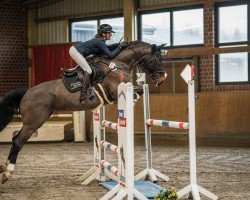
[(123, 45)]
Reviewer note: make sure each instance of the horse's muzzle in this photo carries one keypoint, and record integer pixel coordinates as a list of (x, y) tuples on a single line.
[(160, 79)]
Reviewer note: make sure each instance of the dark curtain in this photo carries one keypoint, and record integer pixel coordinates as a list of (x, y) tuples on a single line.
[(48, 61)]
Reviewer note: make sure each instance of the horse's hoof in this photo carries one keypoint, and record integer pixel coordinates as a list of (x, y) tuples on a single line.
[(5, 177), (2, 168)]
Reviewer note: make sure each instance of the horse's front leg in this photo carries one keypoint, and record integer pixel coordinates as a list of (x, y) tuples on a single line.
[(138, 91), (112, 91)]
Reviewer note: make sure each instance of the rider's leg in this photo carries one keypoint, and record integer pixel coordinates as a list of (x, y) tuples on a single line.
[(85, 85), (81, 61)]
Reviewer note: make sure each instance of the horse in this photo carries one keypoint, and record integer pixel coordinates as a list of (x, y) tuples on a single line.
[(37, 104)]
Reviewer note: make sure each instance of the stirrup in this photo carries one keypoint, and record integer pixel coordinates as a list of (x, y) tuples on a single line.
[(70, 70)]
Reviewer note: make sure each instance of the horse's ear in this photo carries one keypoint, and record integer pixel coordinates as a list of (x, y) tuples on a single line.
[(160, 47), (154, 48)]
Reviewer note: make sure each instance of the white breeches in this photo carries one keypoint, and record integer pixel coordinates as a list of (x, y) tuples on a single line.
[(79, 59)]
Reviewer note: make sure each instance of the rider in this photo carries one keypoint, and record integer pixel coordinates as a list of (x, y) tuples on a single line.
[(95, 46)]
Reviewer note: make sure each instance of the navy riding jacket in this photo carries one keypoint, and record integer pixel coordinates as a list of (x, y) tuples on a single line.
[(96, 46)]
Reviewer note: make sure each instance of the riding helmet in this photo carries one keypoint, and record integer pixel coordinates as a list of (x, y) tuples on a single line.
[(105, 28)]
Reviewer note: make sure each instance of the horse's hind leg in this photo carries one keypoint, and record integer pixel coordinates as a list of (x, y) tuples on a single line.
[(17, 143), (21, 138), (3, 167)]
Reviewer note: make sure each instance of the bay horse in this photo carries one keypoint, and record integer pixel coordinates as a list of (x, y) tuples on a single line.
[(38, 103)]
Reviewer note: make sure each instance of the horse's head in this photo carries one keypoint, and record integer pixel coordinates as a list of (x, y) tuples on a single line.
[(149, 58), (154, 65)]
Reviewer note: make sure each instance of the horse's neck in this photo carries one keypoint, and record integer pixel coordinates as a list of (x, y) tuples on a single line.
[(122, 62), (128, 57)]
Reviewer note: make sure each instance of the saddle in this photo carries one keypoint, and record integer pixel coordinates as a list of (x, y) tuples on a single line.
[(71, 80)]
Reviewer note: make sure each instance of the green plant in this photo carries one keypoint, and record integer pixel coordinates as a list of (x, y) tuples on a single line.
[(167, 194)]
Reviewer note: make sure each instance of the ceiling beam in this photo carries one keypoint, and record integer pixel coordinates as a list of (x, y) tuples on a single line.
[(5, 1), (31, 4), (204, 51)]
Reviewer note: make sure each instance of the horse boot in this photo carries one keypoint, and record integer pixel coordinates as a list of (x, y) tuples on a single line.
[(85, 85)]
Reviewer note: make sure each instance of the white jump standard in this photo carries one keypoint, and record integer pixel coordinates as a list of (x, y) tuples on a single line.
[(98, 171), (149, 171), (124, 174), (126, 147), (188, 75)]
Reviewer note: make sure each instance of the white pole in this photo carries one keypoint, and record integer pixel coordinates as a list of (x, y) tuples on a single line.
[(192, 142), (130, 138), (102, 136), (146, 127), (62, 115)]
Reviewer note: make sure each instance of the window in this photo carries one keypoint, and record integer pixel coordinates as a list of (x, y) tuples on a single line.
[(156, 28), (86, 29), (233, 67), (83, 31), (177, 28), (188, 27), (232, 24), (232, 29)]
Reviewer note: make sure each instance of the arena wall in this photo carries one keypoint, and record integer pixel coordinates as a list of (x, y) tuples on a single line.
[(13, 47)]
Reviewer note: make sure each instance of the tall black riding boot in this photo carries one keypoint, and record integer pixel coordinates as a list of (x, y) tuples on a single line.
[(85, 86)]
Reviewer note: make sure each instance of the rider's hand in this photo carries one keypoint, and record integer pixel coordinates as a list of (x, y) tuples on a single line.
[(123, 45)]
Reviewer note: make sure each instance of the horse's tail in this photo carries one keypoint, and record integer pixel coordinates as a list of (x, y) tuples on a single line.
[(9, 106)]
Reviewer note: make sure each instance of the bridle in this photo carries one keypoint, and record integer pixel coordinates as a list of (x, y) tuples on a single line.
[(141, 64)]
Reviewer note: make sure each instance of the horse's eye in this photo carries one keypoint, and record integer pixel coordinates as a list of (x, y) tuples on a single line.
[(158, 55)]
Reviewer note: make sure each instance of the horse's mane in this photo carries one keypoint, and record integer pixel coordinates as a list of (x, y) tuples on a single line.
[(133, 43), (137, 42)]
